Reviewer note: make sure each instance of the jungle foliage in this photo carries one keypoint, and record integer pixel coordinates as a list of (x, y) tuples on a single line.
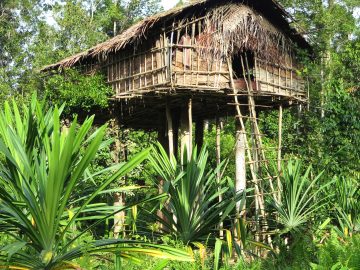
[(42, 167)]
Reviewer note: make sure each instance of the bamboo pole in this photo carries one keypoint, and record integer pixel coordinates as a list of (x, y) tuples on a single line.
[(176, 124), (186, 132), (190, 128), (170, 135), (132, 71), (257, 142), (258, 203), (279, 187), (170, 131), (158, 60), (240, 165), (258, 139), (171, 56), (192, 50), (218, 161), (163, 141)]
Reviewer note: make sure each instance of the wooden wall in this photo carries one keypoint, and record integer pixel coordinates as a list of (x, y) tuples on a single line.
[(130, 70), (174, 59), (278, 79), (190, 69)]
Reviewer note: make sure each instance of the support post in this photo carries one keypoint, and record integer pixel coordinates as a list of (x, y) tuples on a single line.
[(162, 138), (240, 165), (186, 130), (176, 125), (170, 137), (170, 130), (279, 188), (190, 127), (218, 145), (218, 161), (199, 133)]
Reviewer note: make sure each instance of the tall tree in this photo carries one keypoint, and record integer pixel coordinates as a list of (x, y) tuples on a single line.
[(34, 33), (16, 30), (329, 142)]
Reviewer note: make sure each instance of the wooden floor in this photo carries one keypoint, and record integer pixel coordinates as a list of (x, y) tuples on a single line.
[(144, 110)]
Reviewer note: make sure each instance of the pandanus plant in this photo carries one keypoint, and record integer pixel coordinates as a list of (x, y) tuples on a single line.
[(302, 196), (346, 206), (193, 211), (40, 170)]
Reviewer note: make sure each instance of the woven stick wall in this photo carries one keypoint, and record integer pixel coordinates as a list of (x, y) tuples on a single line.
[(190, 53)]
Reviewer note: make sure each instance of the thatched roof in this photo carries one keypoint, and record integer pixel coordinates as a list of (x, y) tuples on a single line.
[(273, 28)]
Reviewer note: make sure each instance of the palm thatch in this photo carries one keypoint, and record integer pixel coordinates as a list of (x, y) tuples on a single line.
[(229, 25), (235, 27)]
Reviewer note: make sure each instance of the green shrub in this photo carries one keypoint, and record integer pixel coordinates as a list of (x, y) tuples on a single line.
[(338, 253), (78, 91)]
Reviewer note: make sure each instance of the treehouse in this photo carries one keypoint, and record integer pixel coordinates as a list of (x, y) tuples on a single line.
[(206, 50), (207, 60)]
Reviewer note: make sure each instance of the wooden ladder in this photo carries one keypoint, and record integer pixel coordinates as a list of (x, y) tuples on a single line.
[(255, 151)]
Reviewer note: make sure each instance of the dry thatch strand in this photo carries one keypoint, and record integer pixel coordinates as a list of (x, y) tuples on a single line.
[(235, 28)]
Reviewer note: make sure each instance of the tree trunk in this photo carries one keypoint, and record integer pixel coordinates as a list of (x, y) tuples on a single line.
[(119, 218)]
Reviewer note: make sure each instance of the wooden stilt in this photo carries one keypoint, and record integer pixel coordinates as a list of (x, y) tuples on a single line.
[(170, 131), (218, 161), (176, 125), (190, 127), (199, 133), (162, 131), (240, 165), (279, 187), (206, 125), (186, 131), (218, 145), (170, 137), (162, 138)]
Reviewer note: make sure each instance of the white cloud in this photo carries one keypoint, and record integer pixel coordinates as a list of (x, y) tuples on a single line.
[(167, 4)]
